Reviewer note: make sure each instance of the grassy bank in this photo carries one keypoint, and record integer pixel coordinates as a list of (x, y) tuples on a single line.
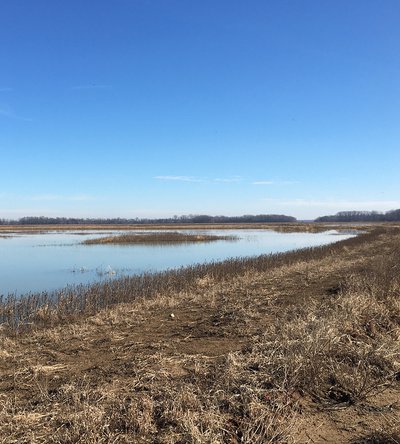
[(295, 347), (157, 238)]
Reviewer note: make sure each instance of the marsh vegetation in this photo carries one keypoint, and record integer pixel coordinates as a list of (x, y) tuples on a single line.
[(157, 238)]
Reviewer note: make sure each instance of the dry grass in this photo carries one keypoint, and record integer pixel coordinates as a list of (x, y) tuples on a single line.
[(158, 238), (283, 227), (300, 347), (392, 437)]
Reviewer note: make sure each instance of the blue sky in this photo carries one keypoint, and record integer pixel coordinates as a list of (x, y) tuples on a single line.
[(139, 108)]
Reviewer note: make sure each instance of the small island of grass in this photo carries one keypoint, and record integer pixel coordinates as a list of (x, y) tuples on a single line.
[(157, 238)]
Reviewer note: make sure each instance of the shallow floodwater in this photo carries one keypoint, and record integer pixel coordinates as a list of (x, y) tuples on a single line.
[(53, 260)]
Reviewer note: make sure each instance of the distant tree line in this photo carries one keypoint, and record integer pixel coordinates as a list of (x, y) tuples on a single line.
[(362, 216), (190, 219)]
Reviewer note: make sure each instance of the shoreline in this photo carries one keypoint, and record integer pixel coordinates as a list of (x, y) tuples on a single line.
[(25, 311)]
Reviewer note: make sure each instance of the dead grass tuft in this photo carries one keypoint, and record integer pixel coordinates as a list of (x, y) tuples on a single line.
[(158, 238)]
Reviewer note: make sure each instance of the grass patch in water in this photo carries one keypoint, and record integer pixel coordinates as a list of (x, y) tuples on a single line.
[(157, 238)]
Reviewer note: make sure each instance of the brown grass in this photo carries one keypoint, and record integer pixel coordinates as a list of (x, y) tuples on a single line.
[(283, 227), (299, 347), (158, 238)]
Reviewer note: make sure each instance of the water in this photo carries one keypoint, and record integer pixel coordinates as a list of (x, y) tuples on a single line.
[(53, 260)]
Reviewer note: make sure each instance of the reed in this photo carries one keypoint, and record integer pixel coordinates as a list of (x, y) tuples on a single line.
[(157, 238)]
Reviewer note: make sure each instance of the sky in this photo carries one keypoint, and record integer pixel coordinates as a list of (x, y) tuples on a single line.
[(155, 108)]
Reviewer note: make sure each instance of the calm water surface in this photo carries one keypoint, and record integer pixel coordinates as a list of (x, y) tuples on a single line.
[(45, 262)]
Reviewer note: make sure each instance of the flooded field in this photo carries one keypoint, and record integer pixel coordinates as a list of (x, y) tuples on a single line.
[(53, 260)]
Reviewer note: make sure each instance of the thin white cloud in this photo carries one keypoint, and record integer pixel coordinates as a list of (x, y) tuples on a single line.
[(273, 182), (89, 87), (59, 197), (50, 197), (338, 205), (11, 115), (6, 113), (180, 178), (13, 213), (234, 179), (263, 182)]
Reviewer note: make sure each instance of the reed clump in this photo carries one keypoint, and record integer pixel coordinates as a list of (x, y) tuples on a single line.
[(157, 238)]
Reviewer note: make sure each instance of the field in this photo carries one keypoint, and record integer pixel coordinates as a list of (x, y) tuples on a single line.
[(298, 347)]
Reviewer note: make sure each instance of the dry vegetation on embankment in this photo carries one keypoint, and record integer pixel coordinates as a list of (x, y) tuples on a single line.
[(158, 238), (303, 347), (290, 227)]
